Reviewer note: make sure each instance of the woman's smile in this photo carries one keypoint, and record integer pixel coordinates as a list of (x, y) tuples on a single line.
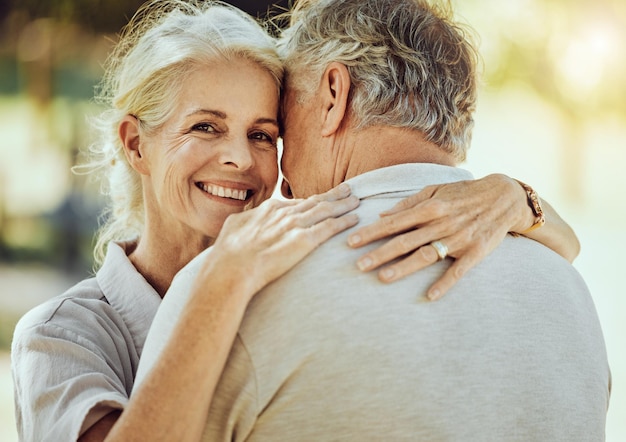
[(229, 194)]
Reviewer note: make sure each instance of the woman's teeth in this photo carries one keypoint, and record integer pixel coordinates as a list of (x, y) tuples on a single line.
[(224, 192)]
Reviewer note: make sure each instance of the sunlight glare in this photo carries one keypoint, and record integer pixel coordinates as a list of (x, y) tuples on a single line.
[(586, 58)]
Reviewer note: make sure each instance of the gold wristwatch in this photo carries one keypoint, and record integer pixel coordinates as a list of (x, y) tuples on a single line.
[(535, 205)]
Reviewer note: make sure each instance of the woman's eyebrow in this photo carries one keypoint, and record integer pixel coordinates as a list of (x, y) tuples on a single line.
[(223, 116), (216, 113), (267, 120)]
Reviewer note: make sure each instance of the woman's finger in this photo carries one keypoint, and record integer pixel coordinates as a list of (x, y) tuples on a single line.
[(399, 246), (458, 231), (327, 228), (422, 257), (328, 209), (336, 193), (410, 218), (411, 201), (311, 212), (427, 255), (284, 215), (453, 274), (383, 228)]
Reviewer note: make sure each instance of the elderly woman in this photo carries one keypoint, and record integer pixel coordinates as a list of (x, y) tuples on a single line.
[(188, 152)]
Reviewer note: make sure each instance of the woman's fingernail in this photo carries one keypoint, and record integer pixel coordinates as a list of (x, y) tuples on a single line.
[(434, 294), (354, 240), (387, 274), (364, 263), (344, 189)]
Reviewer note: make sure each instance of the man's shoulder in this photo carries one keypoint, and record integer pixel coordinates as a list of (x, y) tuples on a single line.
[(329, 278), (523, 258)]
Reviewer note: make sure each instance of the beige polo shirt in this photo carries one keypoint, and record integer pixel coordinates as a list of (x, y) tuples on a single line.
[(514, 351)]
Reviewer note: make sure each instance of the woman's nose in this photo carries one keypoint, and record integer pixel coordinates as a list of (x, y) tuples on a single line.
[(238, 153)]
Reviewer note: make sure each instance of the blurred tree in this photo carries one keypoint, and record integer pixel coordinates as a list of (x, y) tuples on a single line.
[(97, 15), (105, 16)]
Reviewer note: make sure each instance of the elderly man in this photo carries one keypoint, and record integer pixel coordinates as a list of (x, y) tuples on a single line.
[(380, 93)]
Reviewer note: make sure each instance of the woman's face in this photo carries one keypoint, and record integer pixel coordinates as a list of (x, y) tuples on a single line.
[(216, 155)]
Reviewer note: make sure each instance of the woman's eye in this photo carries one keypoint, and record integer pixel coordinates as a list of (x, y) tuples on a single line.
[(262, 136), (204, 127)]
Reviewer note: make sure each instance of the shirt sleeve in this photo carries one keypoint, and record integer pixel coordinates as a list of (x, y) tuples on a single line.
[(69, 371)]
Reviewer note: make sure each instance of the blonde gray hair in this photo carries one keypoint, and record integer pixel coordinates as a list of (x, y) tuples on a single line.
[(411, 65), (160, 46)]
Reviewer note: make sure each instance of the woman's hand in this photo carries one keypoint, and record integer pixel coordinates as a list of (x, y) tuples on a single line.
[(265, 242), (470, 218)]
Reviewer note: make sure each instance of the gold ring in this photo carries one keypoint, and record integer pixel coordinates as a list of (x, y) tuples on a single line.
[(441, 249)]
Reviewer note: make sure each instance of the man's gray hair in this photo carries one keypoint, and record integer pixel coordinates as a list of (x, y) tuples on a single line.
[(410, 64)]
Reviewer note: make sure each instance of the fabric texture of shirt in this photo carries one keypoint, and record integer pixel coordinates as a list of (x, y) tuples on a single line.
[(513, 352), (74, 357)]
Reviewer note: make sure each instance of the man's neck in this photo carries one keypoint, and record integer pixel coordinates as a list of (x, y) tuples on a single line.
[(377, 147)]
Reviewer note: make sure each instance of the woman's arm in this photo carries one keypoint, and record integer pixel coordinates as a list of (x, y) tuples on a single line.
[(470, 217), (555, 234), (253, 249)]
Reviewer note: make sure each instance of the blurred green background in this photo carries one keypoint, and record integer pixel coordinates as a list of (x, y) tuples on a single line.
[(551, 112)]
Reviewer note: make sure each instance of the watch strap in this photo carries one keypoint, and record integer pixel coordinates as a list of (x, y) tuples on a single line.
[(535, 205)]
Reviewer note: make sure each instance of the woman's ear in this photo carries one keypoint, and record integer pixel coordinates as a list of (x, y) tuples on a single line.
[(335, 89), (128, 132)]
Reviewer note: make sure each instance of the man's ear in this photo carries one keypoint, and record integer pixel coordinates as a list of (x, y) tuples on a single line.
[(128, 132), (335, 89)]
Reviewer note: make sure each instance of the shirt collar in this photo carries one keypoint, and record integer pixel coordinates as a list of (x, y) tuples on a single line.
[(405, 178), (128, 292)]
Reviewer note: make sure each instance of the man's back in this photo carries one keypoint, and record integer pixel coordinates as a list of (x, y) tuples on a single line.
[(513, 352)]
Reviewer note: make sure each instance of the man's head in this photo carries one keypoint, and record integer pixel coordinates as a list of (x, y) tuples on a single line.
[(410, 66)]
